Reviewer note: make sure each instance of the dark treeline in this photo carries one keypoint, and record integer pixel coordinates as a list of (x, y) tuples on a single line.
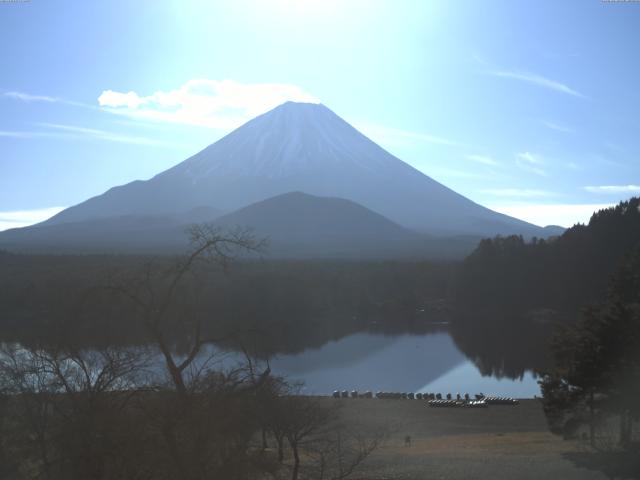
[(563, 273), (287, 305), (595, 378), (511, 294), (502, 346)]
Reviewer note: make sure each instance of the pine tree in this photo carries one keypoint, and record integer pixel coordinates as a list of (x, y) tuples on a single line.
[(597, 361)]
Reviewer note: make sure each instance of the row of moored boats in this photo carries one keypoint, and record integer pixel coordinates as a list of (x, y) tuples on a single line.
[(479, 400)]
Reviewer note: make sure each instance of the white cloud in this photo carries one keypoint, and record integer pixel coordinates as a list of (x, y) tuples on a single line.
[(531, 163), (519, 192), (482, 159), (613, 189), (565, 215), (24, 218), (109, 98), (537, 80), (221, 104)]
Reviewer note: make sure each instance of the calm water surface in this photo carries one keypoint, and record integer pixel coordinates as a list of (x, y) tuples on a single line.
[(404, 363), (366, 361)]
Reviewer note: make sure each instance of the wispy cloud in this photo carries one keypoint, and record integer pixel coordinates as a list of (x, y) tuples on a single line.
[(519, 193), (33, 134), (72, 132), (27, 97), (24, 218), (483, 159), (531, 163), (565, 215), (605, 161), (394, 136), (79, 132), (447, 175), (573, 166), (31, 98), (220, 104), (16, 134), (479, 59), (557, 127), (614, 147), (537, 80), (613, 189)]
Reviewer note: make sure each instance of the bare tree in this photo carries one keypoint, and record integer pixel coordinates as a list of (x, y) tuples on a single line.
[(322, 445), (272, 412), (64, 405), (305, 419), (154, 293), (342, 450), (101, 413), (201, 418)]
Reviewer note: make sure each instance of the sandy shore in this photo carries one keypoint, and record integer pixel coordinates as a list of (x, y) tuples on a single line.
[(499, 442)]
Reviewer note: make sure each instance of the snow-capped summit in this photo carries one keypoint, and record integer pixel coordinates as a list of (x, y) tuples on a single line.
[(301, 147), (293, 138)]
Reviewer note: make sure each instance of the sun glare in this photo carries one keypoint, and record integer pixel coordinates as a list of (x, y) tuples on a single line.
[(309, 7)]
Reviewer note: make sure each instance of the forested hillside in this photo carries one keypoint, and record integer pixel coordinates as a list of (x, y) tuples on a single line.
[(511, 295), (563, 273), (290, 305)]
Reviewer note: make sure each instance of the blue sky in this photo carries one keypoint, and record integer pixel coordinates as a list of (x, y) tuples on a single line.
[(530, 108)]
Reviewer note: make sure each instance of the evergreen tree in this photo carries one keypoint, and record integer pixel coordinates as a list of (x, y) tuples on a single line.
[(598, 361)]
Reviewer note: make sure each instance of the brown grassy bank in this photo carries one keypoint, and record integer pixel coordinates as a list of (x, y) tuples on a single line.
[(499, 442)]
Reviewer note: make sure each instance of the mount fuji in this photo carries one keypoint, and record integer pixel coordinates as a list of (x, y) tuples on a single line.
[(296, 147)]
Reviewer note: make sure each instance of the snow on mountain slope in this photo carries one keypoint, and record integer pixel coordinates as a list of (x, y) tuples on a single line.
[(292, 139), (308, 148)]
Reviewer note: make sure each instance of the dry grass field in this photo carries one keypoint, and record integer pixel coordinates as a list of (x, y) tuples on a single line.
[(499, 442)]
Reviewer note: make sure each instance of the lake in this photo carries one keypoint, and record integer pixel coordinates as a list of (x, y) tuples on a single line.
[(410, 362), (403, 363)]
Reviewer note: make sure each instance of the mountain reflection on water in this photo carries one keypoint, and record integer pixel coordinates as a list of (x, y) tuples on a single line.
[(428, 362), (407, 362)]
